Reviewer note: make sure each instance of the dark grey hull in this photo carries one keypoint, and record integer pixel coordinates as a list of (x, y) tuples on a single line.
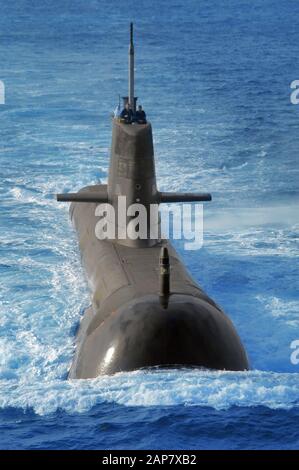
[(126, 328)]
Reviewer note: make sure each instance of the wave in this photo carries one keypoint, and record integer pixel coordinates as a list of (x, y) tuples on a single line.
[(158, 388)]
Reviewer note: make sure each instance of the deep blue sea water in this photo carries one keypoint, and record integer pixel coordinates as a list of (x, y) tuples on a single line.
[(214, 78)]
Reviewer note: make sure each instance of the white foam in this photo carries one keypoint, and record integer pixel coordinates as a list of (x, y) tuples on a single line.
[(219, 390)]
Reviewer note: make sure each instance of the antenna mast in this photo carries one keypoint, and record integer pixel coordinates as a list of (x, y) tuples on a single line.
[(131, 70)]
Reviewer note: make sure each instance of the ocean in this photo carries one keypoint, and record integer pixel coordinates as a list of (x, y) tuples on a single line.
[(214, 79)]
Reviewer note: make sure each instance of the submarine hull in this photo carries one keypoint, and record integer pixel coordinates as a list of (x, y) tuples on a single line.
[(127, 328)]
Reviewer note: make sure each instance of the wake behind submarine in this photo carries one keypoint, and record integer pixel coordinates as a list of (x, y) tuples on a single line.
[(146, 308)]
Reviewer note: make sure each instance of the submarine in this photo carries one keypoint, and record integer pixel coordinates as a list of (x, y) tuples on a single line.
[(146, 309)]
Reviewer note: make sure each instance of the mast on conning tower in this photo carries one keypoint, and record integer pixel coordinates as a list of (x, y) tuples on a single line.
[(131, 70), (131, 99)]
